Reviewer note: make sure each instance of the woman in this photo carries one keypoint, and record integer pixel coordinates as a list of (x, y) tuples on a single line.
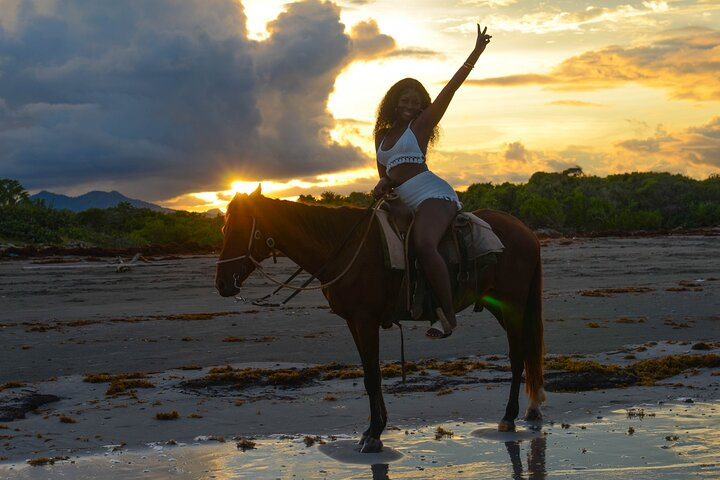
[(406, 123)]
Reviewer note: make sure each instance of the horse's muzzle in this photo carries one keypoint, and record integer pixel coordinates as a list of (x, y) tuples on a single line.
[(225, 289), (228, 286)]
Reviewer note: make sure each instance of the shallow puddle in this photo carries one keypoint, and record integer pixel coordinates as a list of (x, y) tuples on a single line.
[(655, 442)]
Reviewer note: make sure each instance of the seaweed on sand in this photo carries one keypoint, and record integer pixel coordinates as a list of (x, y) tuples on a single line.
[(241, 378), (575, 375), (121, 383)]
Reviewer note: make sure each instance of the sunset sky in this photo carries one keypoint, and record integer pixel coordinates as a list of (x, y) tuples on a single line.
[(184, 102)]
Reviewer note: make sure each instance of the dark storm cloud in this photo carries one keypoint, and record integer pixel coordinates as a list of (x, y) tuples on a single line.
[(163, 97)]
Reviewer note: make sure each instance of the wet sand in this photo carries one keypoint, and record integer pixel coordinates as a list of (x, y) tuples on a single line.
[(59, 325), (669, 441)]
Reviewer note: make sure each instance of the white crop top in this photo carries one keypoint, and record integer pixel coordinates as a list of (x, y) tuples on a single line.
[(405, 150)]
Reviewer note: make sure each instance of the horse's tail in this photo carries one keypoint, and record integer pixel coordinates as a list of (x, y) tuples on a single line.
[(533, 341)]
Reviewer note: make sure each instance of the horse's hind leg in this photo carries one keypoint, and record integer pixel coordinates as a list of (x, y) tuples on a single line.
[(533, 412), (366, 335), (517, 364)]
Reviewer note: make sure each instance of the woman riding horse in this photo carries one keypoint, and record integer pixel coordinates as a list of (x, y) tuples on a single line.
[(407, 121), (354, 279)]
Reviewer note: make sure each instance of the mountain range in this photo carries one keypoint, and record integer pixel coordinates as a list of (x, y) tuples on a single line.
[(94, 199)]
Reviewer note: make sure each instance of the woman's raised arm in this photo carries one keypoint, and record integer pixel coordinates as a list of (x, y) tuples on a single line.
[(431, 115)]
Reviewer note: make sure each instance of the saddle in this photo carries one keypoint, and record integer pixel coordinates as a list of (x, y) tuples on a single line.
[(468, 247)]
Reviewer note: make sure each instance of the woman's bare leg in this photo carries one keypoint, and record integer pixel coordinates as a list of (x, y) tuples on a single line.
[(432, 219)]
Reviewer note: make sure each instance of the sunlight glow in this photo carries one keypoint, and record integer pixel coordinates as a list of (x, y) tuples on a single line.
[(357, 180), (322, 181), (249, 187), (208, 197), (259, 13)]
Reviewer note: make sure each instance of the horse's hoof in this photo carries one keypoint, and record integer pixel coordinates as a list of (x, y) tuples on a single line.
[(534, 415), (506, 426), (371, 445)]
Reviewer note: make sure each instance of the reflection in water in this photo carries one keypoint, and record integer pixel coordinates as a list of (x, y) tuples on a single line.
[(670, 442), (535, 460), (513, 449), (380, 471)]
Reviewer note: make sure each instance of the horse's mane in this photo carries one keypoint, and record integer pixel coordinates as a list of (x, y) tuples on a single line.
[(333, 223)]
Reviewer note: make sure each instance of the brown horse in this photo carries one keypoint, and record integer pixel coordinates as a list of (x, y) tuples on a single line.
[(366, 293)]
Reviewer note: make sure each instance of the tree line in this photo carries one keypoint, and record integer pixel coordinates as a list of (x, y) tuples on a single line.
[(569, 202), (572, 202), (27, 221)]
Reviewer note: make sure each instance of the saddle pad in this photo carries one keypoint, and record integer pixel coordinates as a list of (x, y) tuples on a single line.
[(484, 239)]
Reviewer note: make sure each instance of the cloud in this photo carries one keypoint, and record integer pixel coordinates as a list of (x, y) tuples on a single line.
[(488, 3), (415, 52), (694, 146), (512, 162), (514, 80), (550, 19), (693, 151), (683, 62), (368, 42), (573, 103), (516, 152), (165, 97)]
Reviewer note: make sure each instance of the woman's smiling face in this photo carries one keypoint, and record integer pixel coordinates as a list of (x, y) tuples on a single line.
[(409, 104)]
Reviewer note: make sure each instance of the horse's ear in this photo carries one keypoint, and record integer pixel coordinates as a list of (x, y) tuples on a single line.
[(258, 191)]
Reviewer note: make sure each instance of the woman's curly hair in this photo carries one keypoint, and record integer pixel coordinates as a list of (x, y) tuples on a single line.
[(387, 110)]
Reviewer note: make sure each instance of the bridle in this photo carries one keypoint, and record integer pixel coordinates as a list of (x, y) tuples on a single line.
[(256, 234)]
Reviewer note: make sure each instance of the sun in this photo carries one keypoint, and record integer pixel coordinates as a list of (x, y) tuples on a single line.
[(240, 186), (244, 187)]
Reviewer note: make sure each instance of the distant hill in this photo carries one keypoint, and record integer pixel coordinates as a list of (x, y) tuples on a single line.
[(214, 213), (95, 199)]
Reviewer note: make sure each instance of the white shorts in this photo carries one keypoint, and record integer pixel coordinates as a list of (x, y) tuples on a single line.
[(423, 186)]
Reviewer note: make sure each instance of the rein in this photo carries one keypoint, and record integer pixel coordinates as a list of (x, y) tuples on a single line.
[(256, 234)]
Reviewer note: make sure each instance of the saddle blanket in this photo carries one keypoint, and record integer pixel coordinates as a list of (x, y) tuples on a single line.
[(481, 241)]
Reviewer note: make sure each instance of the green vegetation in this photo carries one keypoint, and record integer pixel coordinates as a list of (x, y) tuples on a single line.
[(328, 198), (569, 202), (27, 221), (573, 202)]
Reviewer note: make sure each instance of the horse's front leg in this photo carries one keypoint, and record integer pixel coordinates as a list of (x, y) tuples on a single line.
[(366, 335)]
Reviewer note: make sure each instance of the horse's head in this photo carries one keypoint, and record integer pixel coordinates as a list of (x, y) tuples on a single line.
[(243, 244)]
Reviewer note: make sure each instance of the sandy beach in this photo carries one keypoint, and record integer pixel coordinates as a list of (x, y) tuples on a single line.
[(610, 300)]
